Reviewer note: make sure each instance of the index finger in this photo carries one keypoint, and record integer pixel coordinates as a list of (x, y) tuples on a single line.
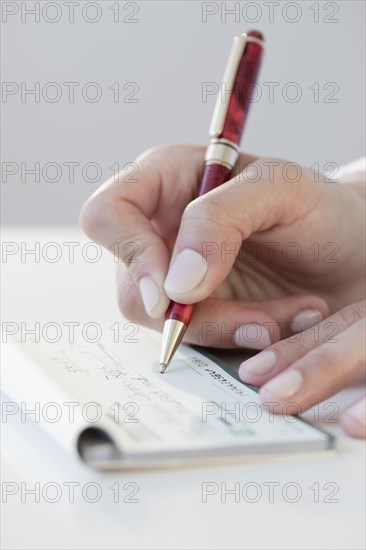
[(141, 219), (137, 219)]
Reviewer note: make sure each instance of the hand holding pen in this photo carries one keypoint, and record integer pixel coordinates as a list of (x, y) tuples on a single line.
[(246, 253)]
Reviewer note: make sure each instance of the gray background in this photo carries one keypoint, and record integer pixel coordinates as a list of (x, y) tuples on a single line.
[(170, 52)]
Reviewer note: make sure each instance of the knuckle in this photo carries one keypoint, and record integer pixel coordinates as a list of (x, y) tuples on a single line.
[(129, 246), (155, 154), (202, 207), (87, 218), (354, 312), (152, 153), (128, 301), (94, 215), (210, 214), (130, 251), (326, 358), (125, 307), (134, 253), (294, 345)]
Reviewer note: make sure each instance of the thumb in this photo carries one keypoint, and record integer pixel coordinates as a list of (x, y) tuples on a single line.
[(214, 226)]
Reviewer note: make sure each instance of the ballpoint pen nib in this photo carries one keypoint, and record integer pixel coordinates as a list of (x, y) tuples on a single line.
[(162, 368)]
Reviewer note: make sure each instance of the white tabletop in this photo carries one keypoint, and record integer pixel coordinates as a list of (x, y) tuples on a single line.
[(318, 501)]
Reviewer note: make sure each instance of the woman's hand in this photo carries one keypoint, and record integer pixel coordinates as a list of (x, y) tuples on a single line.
[(311, 366), (267, 254)]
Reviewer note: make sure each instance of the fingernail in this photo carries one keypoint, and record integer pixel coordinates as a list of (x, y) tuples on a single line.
[(252, 336), (284, 385), (186, 272), (262, 363), (306, 319), (358, 412), (150, 294)]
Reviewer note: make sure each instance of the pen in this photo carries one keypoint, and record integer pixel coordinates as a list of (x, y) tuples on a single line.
[(226, 129)]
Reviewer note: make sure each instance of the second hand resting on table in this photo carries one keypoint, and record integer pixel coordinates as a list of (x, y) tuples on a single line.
[(275, 257)]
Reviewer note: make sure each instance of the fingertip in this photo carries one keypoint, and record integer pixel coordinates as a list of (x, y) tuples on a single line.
[(306, 319), (153, 297), (254, 369), (158, 311)]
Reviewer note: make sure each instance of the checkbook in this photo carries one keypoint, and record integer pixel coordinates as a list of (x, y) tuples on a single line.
[(108, 405)]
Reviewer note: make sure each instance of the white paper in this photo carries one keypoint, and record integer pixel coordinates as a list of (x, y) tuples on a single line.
[(196, 406)]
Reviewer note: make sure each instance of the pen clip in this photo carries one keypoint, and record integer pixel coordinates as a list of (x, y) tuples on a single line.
[(222, 104)]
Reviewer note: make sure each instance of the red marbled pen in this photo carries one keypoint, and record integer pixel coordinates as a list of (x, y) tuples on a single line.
[(226, 129)]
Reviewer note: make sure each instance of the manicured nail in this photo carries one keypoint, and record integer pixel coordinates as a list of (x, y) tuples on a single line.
[(186, 272), (358, 412), (306, 319), (150, 294), (285, 384), (262, 363), (252, 336)]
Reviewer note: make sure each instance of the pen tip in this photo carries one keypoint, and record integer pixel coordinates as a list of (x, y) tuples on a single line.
[(162, 368)]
